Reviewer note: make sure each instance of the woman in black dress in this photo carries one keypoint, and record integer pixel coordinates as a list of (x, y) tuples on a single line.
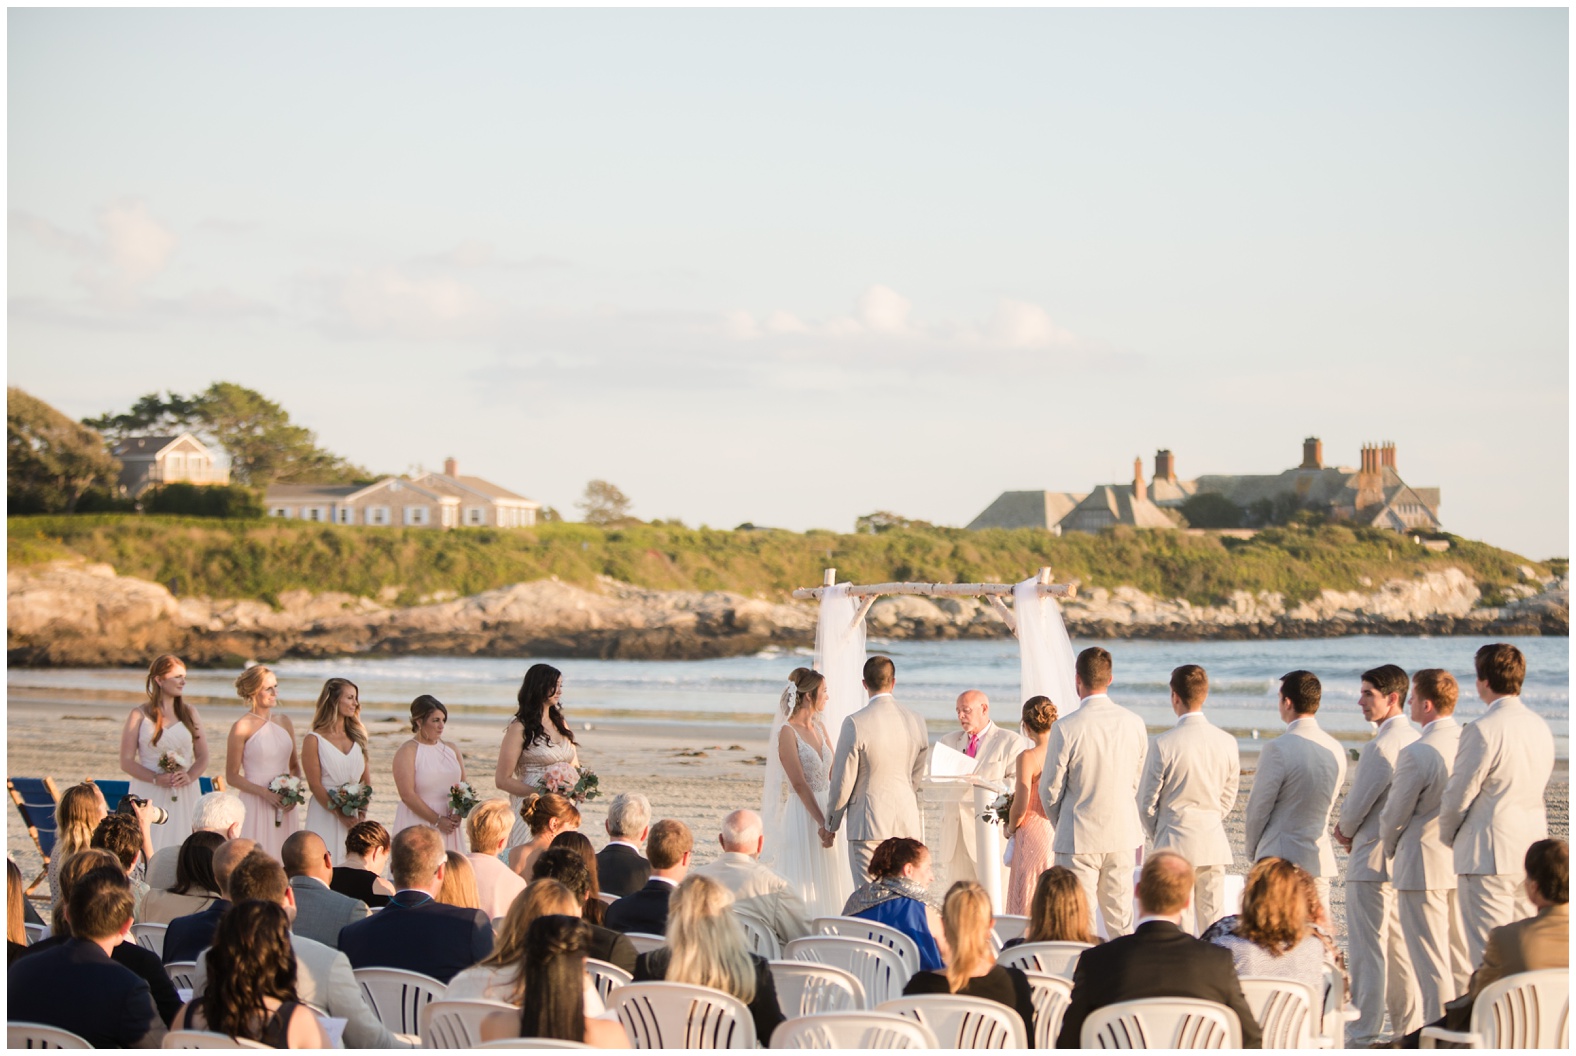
[(971, 968), (367, 847)]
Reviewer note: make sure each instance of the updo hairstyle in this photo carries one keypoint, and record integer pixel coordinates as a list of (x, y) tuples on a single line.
[(250, 682), (367, 836), (538, 811), (423, 706), (807, 682), (1038, 714), (894, 855)]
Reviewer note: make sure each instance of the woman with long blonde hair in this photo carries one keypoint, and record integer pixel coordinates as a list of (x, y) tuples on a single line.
[(15, 913), (971, 968), (164, 752), (706, 947), (78, 813), (261, 747), (335, 753)]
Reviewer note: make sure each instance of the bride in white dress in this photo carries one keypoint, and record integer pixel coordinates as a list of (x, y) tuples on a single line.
[(333, 754), (798, 780)]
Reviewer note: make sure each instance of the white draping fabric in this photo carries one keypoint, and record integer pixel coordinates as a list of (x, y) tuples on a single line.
[(1044, 648), (840, 656), (774, 797)]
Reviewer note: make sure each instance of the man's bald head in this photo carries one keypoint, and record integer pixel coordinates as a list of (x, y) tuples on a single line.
[(1165, 886), (973, 711), (226, 857), (305, 854), (742, 832)]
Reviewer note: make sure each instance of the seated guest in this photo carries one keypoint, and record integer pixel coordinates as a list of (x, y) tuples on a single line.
[(757, 891), (1058, 910), (15, 916), (188, 936), (546, 816), (1158, 959), (1271, 938), (668, 848), (194, 890), (569, 869), (621, 864), (496, 884), (366, 856), (144, 963), (595, 909), (497, 978), (75, 985), (1323, 929), (553, 972), (217, 812), (123, 836), (78, 813), (320, 911), (415, 931), (459, 883), (251, 989), (323, 974), (898, 896), (971, 967), (706, 947)]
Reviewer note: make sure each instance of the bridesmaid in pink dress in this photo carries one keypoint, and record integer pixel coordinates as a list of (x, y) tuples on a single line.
[(261, 747), (425, 767), (1027, 824)]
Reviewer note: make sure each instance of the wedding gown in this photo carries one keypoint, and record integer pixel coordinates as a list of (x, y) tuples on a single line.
[(530, 768), (265, 756), (177, 801), (818, 874), (336, 768)]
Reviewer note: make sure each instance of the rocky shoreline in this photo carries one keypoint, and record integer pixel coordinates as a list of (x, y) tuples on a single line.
[(73, 614)]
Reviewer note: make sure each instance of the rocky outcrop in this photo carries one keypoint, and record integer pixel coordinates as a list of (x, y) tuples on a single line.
[(65, 614)]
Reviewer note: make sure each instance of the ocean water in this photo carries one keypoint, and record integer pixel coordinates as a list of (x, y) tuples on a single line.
[(1243, 677)]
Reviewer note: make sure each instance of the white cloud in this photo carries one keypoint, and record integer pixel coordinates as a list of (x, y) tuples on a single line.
[(884, 310), (386, 302), (1017, 324), (137, 245)]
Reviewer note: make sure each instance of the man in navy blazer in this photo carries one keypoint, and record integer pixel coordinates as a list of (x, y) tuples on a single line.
[(188, 936), (415, 931), (75, 986), (646, 911), (621, 868)]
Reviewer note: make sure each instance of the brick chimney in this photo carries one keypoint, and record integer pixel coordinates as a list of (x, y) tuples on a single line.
[(451, 468), (1312, 453), (1138, 479), (1165, 466), (1387, 455)]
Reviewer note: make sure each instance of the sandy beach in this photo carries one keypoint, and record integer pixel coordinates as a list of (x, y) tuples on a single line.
[(694, 771)]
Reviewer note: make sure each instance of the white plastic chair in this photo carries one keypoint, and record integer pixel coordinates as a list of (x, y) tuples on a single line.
[(23, 1035), (180, 973), (1052, 995), (961, 1022), (879, 969), (761, 938), (150, 936), (605, 897), (207, 1039), (805, 988), (35, 932), (1048, 958), (681, 1016), (1528, 1010), (606, 977), (644, 941), (532, 1043), (1162, 1023), (1287, 1012), (1336, 1012), (457, 1024), (873, 931), (396, 996), (852, 1030), (1009, 926)]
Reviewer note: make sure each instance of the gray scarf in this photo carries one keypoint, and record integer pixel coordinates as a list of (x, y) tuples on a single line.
[(885, 890)]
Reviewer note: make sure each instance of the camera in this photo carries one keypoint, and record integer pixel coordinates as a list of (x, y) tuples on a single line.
[(128, 805)]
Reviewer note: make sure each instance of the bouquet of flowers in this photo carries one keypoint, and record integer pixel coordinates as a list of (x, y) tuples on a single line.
[(462, 797), (350, 798), (173, 762), (999, 809), (566, 779), (292, 792)]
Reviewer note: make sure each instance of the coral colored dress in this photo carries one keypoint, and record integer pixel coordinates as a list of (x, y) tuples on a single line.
[(1031, 853), (265, 756), (337, 768), (177, 801), (437, 769)]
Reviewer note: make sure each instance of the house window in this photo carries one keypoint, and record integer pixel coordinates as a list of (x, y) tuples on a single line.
[(316, 513), (279, 511), (344, 515), (474, 515), (378, 515), (174, 467), (416, 515)]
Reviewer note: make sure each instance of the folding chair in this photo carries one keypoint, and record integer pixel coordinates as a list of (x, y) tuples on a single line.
[(35, 799), (1162, 1023), (681, 1016), (852, 1030), (961, 1022), (1527, 1010), (21, 1035)]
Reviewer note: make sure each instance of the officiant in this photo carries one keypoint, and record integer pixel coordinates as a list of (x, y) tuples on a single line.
[(995, 754)]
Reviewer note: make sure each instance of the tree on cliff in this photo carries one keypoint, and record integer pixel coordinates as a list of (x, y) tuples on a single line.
[(264, 446), (51, 460), (604, 504)]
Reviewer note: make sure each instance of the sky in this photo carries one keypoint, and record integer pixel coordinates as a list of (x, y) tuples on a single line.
[(791, 267)]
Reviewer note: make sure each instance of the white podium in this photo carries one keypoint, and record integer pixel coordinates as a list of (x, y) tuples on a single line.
[(987, 835)]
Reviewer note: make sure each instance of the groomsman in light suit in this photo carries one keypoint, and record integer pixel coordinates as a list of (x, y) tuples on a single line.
[(1423, 870), (1189, 786), (1094, 762), (1493, 806), (1376, 952), (995, 754)]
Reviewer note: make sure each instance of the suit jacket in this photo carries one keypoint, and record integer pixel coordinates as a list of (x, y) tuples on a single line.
[(1363, 806), (1288, 816), (876, 771), (321, 912), (1094, 762), (145, 964), (1409, 824), (761, 894), (1157, 960), (76, 987), (1492, 810), (188, 936), (611, 946), (324, 979), (418, 934), (995, 759), (644, 911), (160, 871), (1542, 941), (622, 870), (1189, 786)]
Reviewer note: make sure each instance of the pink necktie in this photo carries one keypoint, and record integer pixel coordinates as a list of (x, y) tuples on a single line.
[(974, 743)]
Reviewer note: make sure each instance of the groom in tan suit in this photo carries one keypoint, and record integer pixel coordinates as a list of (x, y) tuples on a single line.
[(876, 771), (995, 754)]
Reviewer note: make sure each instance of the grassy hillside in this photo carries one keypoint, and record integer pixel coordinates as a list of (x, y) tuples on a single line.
[(261, 559)]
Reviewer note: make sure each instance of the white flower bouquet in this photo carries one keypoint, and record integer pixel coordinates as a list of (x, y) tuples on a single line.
[(292, 792), (350, 798), (998, 810), (462, 797), (566, 779), (173, 762)]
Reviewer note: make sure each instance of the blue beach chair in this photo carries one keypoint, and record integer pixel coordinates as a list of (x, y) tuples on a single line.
[(35, 799), (114, 788)]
